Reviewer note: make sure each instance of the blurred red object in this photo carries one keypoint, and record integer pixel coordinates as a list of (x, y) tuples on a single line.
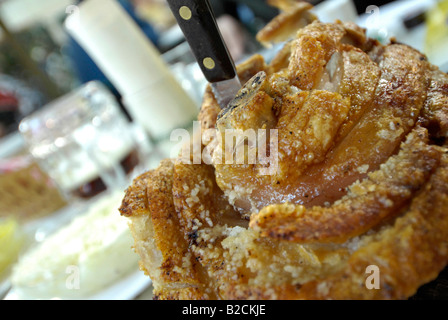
[(14, 164), (17, 100), (8, 101)]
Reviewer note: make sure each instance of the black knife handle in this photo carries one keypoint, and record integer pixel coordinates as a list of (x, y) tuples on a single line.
[(198, 23)]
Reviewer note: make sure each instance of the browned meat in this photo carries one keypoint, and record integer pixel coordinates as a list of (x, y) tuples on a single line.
[(353, 173)]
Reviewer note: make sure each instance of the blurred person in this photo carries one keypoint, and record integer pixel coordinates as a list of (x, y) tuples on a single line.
[(239, 21), (233, 35), (245, 11)]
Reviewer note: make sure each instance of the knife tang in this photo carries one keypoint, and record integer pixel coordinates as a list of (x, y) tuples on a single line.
[(197, 21)]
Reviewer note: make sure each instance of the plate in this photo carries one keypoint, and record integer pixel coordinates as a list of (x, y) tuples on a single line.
[(5, 285), (127, 288)]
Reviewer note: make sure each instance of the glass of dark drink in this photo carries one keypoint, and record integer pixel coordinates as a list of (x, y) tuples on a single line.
[(84, 141)]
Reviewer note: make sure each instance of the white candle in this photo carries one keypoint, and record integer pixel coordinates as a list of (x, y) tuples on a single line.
[(131, 62)]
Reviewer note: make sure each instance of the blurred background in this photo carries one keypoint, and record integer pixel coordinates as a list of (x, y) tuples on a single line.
[(73, 135)]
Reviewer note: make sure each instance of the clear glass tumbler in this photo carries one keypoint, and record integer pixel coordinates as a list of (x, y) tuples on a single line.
[(84, 142)]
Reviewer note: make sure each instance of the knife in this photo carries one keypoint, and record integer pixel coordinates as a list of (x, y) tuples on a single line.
[(197, 21)]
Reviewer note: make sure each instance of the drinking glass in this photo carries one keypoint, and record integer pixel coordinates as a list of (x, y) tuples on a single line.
[(84, 142)]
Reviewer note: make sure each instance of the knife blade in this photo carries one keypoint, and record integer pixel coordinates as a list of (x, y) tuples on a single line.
[(197, 22)]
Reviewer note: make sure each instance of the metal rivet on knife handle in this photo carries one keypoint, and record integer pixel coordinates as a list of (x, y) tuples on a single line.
[(185, 13), (197, 22), (209, 63)]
